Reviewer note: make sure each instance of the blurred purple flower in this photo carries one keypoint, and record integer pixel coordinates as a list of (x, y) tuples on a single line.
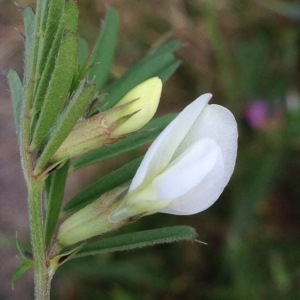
[(257, 114)]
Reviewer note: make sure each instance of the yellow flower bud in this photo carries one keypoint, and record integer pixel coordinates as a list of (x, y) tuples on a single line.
[(131, 113), (139, 104)]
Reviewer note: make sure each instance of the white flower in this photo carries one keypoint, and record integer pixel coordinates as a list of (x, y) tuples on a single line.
[(187, 167), (184, 172)]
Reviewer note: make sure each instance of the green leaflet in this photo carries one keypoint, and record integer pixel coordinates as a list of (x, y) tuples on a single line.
[(103, 55), (21, 270), (55, 194), (41, 13), (83, 66), (66, 122), (146, 135), (138, 240), (83, 51), (20, 248), (17, 95), (29, 26), (43, 76), (61, 78), (50, 32), (25, 265), (108, 182), (152, 65)]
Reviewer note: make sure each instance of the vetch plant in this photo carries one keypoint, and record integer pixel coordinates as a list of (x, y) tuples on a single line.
[(70, 114)]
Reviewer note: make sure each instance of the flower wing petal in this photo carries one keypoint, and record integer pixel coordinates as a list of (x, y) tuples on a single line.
[(203, 195), (188, 170)]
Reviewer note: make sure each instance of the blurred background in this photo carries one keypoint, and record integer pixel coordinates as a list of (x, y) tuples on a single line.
[(246, 53)]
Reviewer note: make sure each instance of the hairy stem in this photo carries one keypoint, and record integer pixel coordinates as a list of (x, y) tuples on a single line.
[(35, 186), (35, 206), (42, 277)]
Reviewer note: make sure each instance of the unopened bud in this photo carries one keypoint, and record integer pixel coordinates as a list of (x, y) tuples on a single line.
[(140, 104), (131, 113)]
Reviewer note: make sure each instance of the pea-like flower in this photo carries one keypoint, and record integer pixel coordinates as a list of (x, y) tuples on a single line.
[(187, 167), (184, 172)]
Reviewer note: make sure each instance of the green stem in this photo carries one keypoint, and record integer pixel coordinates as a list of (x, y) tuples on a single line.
[(35, 185), (42, 277)]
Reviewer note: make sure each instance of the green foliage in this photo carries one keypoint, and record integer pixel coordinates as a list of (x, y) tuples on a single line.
[(83, 51), (253, 252), (254, 249), (42, 12), (61, 77), (29, 26), (55, 184), (118, 177), (137, 240), (51, 32), (17, 96), (48, 53), (154, 64), (102, 57), (59, 86), (25, 264), (21, 270), (59, 89)]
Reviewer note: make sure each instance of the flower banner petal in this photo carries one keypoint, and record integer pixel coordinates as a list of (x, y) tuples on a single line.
[(162, 150)]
